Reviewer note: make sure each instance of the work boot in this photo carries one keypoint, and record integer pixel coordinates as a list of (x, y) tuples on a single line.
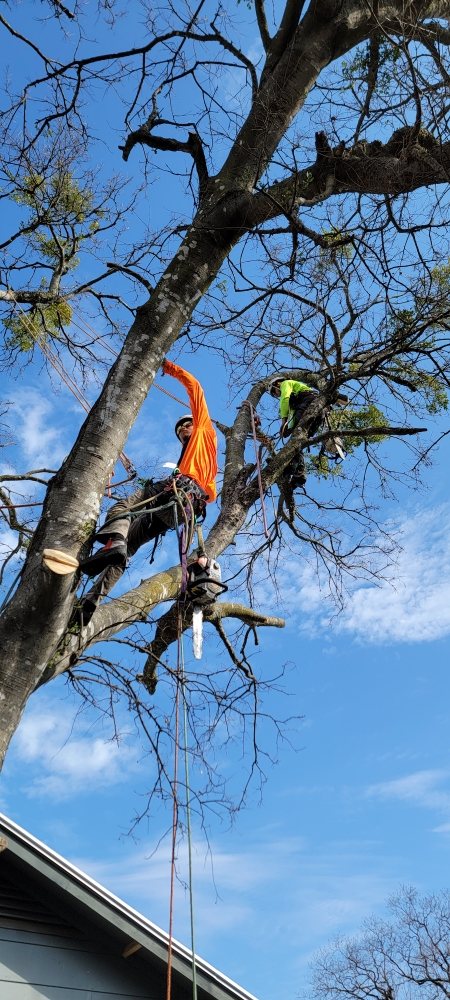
[(114, 553)]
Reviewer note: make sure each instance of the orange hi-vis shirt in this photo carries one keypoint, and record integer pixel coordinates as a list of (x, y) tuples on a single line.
[(200, 457)]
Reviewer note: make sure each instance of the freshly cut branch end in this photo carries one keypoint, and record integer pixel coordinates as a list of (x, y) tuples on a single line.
[(59, 562)]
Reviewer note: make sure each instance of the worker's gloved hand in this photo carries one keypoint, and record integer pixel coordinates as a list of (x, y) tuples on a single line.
[(163, 366), (257, 420)]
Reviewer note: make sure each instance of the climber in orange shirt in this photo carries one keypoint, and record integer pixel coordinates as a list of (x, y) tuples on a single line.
[(198, 458), (132, 522)]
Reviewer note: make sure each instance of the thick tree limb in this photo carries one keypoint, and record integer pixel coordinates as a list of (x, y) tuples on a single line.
[(375, 173), (288, 25), (34, 298), (168, 626), (363, 432)]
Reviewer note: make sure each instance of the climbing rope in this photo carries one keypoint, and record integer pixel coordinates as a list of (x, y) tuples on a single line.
[(188, 818), (181, 687), (174, 833)]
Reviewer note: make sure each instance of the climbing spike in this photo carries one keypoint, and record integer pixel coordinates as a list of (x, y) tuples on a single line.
[(59, 562)]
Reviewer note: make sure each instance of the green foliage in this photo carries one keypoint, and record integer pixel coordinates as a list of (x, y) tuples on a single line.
[(61, 215), (366, 416), (323, 466), (441, 277), (335, 247), (40, 321), (56, 251), (55, 199), (432, 390)]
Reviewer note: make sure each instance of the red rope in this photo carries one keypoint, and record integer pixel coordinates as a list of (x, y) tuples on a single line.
[(174, 820)]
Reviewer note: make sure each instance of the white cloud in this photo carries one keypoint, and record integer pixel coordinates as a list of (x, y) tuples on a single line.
[(60, 762), (37, 429), (421, 788), (8, 542), (412, 606), (232, 890)]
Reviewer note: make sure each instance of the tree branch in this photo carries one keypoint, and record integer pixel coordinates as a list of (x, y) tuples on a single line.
[(193, 147), (168, 625), (262, 23)]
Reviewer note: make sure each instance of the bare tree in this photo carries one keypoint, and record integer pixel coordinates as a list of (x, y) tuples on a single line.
[(314, 238), (407, 955)]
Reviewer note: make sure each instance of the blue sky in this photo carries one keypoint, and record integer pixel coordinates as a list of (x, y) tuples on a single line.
[(357, 800)]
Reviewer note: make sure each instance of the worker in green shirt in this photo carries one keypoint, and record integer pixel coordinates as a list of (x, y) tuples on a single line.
[(294, 398)]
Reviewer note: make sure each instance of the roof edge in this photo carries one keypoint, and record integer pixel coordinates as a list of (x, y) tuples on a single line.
[(70, 871)]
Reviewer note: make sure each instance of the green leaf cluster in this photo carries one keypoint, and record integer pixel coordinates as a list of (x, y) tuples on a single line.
[(334, 247), (368, 416), (61, 216), (323, 466), (40, 321), (56, 199), (365, 416), (355, 71), (432, 390)]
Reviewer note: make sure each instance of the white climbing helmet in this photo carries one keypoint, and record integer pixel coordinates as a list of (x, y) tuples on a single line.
[(275, 383), (185, 419)]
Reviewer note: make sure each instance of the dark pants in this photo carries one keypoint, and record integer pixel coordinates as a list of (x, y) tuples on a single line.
[(298, 404), (125, 521), (134, 528)]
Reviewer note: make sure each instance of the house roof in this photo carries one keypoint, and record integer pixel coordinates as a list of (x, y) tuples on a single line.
[(113, 915)]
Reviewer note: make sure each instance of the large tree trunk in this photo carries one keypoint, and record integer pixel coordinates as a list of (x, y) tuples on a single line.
[(34, 621)]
